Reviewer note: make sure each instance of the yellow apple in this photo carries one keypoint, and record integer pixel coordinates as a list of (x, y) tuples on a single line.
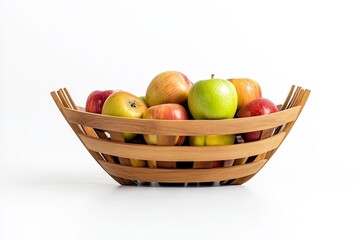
[(247, 90), (138, 163), (214, 140), (124, 104)]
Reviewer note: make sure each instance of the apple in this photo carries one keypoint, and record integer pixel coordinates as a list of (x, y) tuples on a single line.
[(124, 104), (212, 99), (247, 90), (138, 163), (96, 99), (144, 99), (260, 106), (213, 140), (168, 87), (167, 111)]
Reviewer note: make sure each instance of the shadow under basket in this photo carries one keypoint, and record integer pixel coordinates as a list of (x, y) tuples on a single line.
[(135, 162)]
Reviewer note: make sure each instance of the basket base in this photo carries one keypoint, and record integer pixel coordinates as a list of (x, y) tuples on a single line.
[(163, 184), (197, 184), (127, 175)]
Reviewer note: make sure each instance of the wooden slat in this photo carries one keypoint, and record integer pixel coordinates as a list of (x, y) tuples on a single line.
[(182, 127), (294, 97), (61, 106), (242, 180), (299, 99), (61, 103), (288, 98), (119, 137), (88, 130), (286, 128), (163, 140), (265, 134), (182, 153), (182, 175), (286, 105)]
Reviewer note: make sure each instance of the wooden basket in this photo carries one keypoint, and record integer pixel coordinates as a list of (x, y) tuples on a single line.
[(103, 137)]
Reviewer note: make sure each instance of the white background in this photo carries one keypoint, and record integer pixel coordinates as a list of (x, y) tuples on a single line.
[(51, 188)]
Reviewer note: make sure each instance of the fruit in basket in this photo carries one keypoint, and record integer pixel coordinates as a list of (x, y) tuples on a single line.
[(96, 99), (212, 99), (124, 104), (213, 140), (138, 163), (168, 111), (260, 106), (144, 99), (247, 90), (239, 174), (168, 87)]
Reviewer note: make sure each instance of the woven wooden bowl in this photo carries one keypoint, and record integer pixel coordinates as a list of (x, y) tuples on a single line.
[(103, 137)]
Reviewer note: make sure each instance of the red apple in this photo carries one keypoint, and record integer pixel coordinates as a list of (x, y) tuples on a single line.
[(168, 87), (260, 106), (247, 90), (216, 164), (96, 99), (169, 111)]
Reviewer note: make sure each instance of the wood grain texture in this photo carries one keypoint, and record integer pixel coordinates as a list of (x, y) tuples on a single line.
[(297, 98), (119, 137), (164, 140), (182, 175), (266, 133), (88, 130), (62, 103), (182, 127), (300, 102), (182, 153)]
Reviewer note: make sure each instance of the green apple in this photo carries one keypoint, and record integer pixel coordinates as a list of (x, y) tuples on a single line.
[(144, 99), (212, 99), (124, 104)]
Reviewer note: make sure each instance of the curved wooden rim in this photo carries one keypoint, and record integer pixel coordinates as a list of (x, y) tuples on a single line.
[(182, 153), (182, 175), (181, 127)]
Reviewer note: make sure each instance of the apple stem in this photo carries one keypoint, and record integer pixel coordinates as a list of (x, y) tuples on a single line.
[(212, 76)]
